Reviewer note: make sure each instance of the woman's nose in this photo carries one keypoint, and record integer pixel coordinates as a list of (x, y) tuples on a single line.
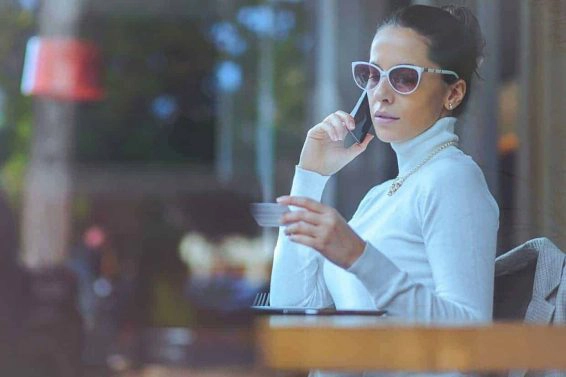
[(382, 91)]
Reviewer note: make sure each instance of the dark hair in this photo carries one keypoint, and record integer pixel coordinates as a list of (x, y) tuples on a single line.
[(455, 39)]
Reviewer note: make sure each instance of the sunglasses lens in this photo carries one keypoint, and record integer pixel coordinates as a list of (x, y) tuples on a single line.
[(366, 76), (404, 79)]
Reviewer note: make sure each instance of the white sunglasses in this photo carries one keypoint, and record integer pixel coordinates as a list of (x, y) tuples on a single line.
[(403, 78)]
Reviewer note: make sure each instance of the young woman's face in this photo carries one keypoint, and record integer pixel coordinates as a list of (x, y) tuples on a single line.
[(417, 111)]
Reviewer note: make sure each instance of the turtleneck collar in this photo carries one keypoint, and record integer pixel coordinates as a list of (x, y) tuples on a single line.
[(413, 151)]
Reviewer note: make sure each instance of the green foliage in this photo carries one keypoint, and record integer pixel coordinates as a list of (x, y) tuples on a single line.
[(14, 168), (16, 26)]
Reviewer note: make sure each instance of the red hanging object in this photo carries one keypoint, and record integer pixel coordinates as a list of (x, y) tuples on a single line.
[(62, 68)]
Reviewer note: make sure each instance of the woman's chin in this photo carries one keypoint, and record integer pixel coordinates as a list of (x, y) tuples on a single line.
[(387, 136)]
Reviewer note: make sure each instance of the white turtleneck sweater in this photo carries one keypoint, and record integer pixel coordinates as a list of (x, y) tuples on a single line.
[(430, 248)]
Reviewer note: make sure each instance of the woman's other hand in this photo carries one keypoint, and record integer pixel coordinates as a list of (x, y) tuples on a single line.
[(322, 228), (324, 152)]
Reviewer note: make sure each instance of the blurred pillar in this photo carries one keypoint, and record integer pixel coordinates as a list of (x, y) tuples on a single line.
[(265, 144), (478, 128), (541, 191), (326, 76), (265, 135), (47, 193), (224, 139), (224, 149), (358, 23)]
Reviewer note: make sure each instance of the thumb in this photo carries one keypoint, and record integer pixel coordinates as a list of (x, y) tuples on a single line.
[(359, 148)]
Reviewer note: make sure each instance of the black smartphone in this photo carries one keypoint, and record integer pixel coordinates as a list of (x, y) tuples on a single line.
[(362, 117)]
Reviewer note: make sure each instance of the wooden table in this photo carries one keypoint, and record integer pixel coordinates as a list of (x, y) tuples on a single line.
[(368, 343)]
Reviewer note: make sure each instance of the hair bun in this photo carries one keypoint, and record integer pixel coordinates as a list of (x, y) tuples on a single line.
[(472, 28)]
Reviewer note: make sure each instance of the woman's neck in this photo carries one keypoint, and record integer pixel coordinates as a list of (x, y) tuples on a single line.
[(413, 151)]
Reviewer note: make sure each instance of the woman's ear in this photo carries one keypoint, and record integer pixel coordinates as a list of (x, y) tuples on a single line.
[(455, 95)]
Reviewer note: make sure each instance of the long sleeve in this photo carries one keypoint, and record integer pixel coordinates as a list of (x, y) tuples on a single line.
[(296, 278), (459, 221)]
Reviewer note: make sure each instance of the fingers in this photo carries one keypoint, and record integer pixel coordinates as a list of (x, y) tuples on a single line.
[(340, 124), (303, 228), (329, 128), (303, 202), (367, 140), (296, 216), (347, 119), (337, 125), (304, 240), (359, 148)]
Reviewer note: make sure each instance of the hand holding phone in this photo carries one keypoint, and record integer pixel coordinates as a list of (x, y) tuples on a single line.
[(362, 117), (338, 139)]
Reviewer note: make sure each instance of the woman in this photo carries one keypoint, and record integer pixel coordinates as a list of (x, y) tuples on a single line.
[(421, 246)]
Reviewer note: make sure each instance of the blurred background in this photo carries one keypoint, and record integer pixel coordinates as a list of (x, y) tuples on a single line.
[(135, 133)]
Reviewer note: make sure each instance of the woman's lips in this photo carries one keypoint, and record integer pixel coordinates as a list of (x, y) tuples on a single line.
[(382, 119)]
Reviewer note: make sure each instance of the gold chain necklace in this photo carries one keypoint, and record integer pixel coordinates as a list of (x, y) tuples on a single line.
[(398, 182)]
